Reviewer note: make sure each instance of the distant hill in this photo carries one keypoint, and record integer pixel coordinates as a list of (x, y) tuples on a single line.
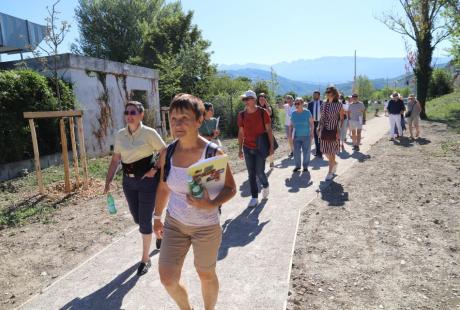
[(303, 88), (333, 69)]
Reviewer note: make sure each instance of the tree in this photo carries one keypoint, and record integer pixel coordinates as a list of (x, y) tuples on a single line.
[(424, 26), (364, 87), (111, 29), (452, 13), (441, 83), (149, 33), (261, 87), (54, 36)]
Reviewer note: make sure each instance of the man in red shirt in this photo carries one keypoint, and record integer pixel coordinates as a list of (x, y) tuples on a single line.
[(252, 122)]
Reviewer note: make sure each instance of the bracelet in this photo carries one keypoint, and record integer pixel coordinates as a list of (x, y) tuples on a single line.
[(157, 217)]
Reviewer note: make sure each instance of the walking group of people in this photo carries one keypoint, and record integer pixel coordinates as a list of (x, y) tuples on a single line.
[(398, 113), (155, 175), (324, 122)]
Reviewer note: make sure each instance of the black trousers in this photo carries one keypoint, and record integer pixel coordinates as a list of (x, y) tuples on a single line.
[(318, 149), (140, 194)]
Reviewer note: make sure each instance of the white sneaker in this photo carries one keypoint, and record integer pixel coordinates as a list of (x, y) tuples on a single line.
[(265, 192), (253, 203), (329, 176), (334, 169)]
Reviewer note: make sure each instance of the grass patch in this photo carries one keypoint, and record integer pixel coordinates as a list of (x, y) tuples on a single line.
[(445, 109), (19, 198)]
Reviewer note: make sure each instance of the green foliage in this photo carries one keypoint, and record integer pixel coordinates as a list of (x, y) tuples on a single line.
[(150, 33), (24, 91), (441, 83), (364, 87), (261, 87), (452, 14), (445, 109), (385, 93)]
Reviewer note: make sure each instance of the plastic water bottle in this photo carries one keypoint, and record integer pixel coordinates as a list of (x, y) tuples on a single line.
[(195, 189), (111, 204)]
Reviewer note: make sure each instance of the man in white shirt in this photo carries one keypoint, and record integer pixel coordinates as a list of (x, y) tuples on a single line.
[(289, 108), (315, 109)]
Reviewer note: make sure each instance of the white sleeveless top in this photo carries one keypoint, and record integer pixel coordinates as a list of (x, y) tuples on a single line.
[(178, 207)]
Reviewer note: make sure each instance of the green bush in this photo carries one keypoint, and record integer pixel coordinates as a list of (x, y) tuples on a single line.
[(441, 83), (27, 91)]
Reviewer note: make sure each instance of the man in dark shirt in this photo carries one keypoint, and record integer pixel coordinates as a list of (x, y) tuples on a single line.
[(395, 110)]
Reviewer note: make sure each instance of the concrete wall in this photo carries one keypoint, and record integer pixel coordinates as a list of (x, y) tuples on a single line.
[(13, 170)]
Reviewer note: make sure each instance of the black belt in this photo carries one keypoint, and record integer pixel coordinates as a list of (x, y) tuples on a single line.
[(139, 167)]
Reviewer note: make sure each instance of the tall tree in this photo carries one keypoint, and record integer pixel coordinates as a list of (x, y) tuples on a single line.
[(150, 33), (424, 25), (364, 87), (452, 13)]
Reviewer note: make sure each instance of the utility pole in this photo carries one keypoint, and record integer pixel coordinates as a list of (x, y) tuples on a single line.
[(354, 76)]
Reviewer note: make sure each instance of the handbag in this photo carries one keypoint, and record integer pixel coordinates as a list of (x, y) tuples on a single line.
[(328, 134), (262, 140)]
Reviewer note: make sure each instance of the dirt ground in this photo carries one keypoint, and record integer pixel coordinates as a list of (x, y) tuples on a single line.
[(386, 234), (34, 255)]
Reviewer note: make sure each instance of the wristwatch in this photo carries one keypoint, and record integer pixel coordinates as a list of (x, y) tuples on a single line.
[(157, 217)]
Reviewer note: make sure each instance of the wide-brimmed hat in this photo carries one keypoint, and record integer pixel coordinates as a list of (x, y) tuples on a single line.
[(249, 94), (395, 94)]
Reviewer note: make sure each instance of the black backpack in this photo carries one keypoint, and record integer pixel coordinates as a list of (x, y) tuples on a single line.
[(211, 151)]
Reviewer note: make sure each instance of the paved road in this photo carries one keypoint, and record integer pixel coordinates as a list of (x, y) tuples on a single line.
[(254, 259)]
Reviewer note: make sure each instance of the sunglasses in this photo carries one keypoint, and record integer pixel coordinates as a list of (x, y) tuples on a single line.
[(328, 92), (131, 112), (297, 103)]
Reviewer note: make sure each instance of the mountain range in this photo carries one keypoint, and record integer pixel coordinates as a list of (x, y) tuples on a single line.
[(304, 76)]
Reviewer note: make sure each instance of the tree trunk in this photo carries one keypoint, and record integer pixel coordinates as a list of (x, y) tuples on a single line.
[(423, 71)]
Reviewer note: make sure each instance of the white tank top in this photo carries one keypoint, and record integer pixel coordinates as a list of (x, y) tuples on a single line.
[(178, 207)]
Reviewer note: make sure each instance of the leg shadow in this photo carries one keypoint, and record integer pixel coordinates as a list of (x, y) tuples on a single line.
[(334, 194), (285, 163), (111, 295), (242, 230), (316, 163), (360, 156), (298, 181)]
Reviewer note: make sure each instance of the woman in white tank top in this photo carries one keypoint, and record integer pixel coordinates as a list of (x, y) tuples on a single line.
[(189, 221)]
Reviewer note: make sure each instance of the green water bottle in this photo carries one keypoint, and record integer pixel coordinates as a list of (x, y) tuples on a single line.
[(111, 204), (195, 189)]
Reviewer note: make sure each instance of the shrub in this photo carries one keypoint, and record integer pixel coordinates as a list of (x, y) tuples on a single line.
[(441, 83), (23, 91)]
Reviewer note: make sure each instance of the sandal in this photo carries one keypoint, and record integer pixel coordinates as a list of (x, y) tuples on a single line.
[(143, 268)]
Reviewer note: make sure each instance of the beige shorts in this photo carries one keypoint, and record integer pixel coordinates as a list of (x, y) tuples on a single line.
[(178, 237), (355, 125), (413, 120)]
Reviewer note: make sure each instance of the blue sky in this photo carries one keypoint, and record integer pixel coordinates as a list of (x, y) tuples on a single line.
[(268, 31)]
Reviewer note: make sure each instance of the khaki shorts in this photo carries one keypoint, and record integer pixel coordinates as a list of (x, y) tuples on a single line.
[(413, 120), (178, 237), (355, 125)]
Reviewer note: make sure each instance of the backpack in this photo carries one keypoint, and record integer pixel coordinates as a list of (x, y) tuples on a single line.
[(211, 151)]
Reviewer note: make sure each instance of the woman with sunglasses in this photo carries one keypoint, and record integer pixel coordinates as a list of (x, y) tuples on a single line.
[(332, 114), (263, 103), (135, 147)]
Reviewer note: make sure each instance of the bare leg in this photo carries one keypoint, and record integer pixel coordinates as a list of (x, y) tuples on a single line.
[(353, 136), (146, 240), (358, 137), (417, 130), (410, 130), (170, 277), (209, 288), (331, 161)]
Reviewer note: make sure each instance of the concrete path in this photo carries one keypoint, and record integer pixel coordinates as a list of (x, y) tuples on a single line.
[(254, 260)]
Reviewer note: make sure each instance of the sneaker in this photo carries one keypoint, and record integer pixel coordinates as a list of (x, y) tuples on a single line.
[(334, 169), (265, 192), (329, 176), (305, 170), (296, 169), (253, 203), (357, 148), (272, 165), (143, 268), (291, 155)]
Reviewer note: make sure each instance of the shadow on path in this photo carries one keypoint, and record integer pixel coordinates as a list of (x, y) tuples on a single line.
[(297, 181), (242, 230), (333, 193), (111, 295)]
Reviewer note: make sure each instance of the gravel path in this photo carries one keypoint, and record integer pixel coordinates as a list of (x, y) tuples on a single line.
[(386, 235)]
